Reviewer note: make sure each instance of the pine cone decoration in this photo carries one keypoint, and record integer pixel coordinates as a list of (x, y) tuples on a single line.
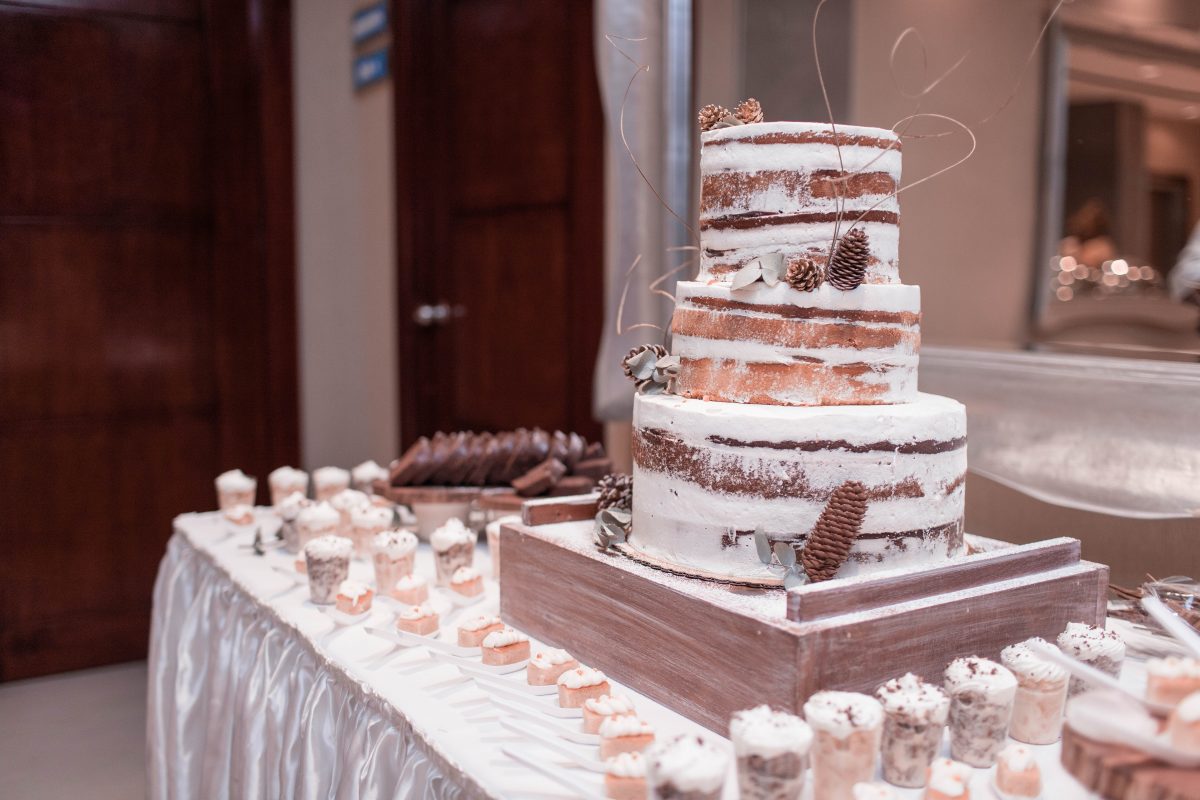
[(749, 111), (658, 350), (804, 274), (832, 537), (848, 266), (710, 115), (616, 491)]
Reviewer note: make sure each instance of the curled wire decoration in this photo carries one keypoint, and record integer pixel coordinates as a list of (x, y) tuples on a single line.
[(832, 126)]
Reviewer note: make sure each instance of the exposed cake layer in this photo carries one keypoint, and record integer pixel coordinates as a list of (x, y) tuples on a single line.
[(781, 187), (707, 474), (776, 345)]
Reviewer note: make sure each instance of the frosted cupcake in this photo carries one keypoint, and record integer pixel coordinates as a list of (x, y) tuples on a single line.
[(328, 481), (411, 589), (289, 509), (624, 734), (313, 522), (1103, 649), (546, 665), (1037, 716), (466, 581), (625, 777), (286, 480), (328, 564), (453, 547), (365, 522), (363, 476), (392, 556), (914, 715), (235, 488), (847, 728), (981, 702), (1170, 679), (346, 502), (598, 709), (688, 767), (1017, 773), (772, 753)]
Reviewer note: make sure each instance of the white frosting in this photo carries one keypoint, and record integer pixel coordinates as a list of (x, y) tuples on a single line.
[(624, 725), (367, 472), (626, 765), (552, 658), (1088, 642), (235, 481), (330, 476), (327, 547), (394, 544), (1017, 758), (873, 791), (947, 784), (1188, 709), (318, 516), (685, 523), (289, 508), (240, 513), (982, 676), (504, 638), (451, 534), (370, 516), (353, 589), (349, 499), (607, 704), (690, 763), (416, 612), (479, 623), (1030, 668), (1173, 667), (767, 733), (912, 698), (464, 575), (580, 677), (843, 713), (412, 581), (288, 476)]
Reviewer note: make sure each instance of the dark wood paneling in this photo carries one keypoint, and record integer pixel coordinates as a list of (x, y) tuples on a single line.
[(161, 10)]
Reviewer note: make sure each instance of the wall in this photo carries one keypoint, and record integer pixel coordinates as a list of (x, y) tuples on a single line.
[(345, 247), (967, 236), (1173, 148)]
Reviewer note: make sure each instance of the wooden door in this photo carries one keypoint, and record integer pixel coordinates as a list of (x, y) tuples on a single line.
[(500, 189), (147, 334)]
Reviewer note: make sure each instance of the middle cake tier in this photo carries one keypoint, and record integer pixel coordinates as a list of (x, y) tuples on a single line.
[(779, 346), (706, 475)]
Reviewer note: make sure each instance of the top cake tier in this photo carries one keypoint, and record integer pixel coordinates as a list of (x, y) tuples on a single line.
[(773, 187)]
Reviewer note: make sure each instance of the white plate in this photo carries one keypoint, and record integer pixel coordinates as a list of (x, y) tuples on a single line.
[(522, 686)]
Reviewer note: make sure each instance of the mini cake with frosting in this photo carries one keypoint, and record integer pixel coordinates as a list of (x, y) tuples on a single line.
[(354, 597), (411, 589), (624, 734), (419, 619), (453, 547), (1183, 726), (982, 693), (366, 522), (393, 553), (575, 686), (466, 581), (873, 791), (1017, 773), (345, 503), (328, 481), (505, 646), (948, 780), (546, 665), (1037, 715), (598, 709), (364, 476), (285, 480), (289, 509), (472, 632), (314, 521), (625, 777), (327, 560), (914, 716), (235, 488), (239, 515), (1170, 679), (847, 727), (1103, 649), (687, 766), (772, 752)]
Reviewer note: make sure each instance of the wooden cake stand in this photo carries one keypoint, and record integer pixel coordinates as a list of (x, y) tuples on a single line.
[(1116, 772), (707, 649)]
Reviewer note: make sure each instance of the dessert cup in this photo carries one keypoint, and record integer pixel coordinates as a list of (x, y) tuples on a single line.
[(472, 632), (327, 561), (364, 476), (624, 734), (240, 516), (235, 488), (366, 522), (688, 767), (286, 480), (772, 753), (1183, 726), (328, 481), (392, 555), (546, 665), (1017, 773), (847, 728), (314, 521), (576, 686), (503, 647), (453, 547), (625, 777), (411, 589), (981, 702), (1169, 680), (467, 582), (431, 516), (914, 715), (1103, 649), (1037, 715), (493, 540), (346, 502), (289, 509), (420, 619), (353, 598)]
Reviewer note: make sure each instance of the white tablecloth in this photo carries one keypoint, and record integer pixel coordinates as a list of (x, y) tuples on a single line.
[(254, 692)]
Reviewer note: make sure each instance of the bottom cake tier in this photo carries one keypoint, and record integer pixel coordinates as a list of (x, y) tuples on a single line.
[(707, 474)]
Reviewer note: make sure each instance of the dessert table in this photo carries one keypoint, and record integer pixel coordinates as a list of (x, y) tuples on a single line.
[(256, 692)]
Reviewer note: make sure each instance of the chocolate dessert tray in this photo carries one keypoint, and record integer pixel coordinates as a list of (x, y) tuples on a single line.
[(706, 648)]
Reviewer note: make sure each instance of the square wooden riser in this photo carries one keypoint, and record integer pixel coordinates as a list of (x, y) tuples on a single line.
[(707, 650)]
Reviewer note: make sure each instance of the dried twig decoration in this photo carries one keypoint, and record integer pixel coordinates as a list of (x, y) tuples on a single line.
[(848, 266), (804, 274), (710, 115), (616, 491), (829, 544), (749, 111)]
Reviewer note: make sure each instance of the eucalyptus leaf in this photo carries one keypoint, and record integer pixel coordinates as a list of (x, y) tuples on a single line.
[(785, 553), (772, 268), (652, 387), (794, 579), (612, 526), (763, 545), (667, 364), (642, 365), (746, 275)]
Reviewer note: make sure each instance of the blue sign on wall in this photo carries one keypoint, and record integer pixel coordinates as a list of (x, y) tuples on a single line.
[(370, 68), (368, 22)]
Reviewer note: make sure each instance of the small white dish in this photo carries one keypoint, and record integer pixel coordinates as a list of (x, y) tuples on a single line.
[(534, 703), (584, 757), (462, 601), (572, 731), (478, 668)]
